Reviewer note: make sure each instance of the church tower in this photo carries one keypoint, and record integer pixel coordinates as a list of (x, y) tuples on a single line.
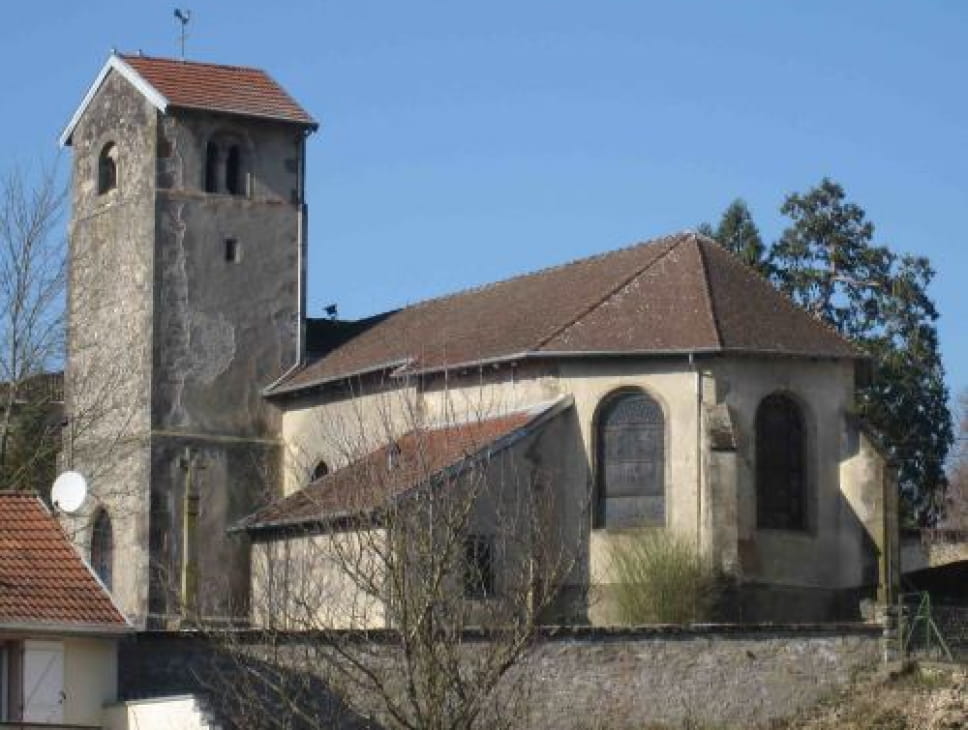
[(186, 299)]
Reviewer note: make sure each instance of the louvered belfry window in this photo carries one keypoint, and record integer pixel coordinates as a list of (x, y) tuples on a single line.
[(631, 458), (780, 464)]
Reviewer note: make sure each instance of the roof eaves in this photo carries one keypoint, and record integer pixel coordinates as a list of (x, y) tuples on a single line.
[(310, 123), (67, 628), (280, 388), (114, 63)]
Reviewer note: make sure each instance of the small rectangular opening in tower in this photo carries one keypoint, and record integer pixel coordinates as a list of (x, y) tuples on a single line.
[(232, 250)]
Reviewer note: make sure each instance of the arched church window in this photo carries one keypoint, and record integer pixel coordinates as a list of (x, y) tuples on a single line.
[(631, 462), (780, 464), (102, 548), (320, 470), (107, 168)]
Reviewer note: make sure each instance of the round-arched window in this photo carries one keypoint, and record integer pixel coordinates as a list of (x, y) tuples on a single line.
[(107, 168), (780, 464), (102, 548), (631, 462)]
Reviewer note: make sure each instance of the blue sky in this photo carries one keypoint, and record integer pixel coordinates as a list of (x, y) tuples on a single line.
[(465, 142)]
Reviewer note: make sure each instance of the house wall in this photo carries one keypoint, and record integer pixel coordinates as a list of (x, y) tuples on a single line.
[(90, 679), (307, 582)]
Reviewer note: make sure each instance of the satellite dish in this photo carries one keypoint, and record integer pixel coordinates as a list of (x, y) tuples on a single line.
[(68, 492)]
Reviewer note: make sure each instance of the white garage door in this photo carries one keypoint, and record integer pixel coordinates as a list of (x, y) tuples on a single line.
[(43, 681)]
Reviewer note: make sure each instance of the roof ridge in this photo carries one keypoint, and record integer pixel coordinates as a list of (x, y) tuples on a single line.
[(536, 272), (135, 56), (611, 292), (707, 288)]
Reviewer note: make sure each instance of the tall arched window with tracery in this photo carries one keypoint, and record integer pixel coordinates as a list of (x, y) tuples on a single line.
[(102, 548), (781, 484), (630, 440)]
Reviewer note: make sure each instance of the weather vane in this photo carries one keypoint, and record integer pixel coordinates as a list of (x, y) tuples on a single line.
[(183, 17)]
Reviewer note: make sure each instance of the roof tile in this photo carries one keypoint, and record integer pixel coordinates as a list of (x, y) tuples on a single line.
[(239, 90), (681, 293), (386, 473), (43, 580)]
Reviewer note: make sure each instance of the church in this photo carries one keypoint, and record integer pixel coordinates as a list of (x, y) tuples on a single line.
[(660, 387)]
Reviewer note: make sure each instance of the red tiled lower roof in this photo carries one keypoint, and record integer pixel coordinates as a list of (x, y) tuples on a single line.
[(388, 472), (43, 580)]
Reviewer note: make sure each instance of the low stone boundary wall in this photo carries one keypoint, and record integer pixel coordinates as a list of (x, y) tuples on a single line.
[(588, 678)]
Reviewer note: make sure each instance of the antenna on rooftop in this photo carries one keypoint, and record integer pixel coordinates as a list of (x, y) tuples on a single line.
[(183, 16)]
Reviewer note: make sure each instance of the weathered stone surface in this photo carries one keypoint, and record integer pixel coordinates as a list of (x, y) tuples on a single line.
[(588, 678)]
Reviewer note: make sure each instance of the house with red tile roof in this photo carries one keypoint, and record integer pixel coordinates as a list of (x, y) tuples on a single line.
[(59, 627), (660, 387)]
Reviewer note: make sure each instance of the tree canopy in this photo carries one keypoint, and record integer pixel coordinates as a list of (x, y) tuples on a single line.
[(827, 261)]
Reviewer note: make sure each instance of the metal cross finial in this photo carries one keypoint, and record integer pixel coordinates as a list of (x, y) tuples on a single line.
[(183, 16)]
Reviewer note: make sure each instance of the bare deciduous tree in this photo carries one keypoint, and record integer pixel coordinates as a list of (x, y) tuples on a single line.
[(32, 283), (411, 582)]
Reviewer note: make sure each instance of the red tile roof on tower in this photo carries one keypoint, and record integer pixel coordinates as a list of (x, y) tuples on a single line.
[(240, 90), (168, 83), (44, 583), (679, 294)]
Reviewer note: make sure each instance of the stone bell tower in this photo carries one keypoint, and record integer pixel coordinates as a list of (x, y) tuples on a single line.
[(186, 299)]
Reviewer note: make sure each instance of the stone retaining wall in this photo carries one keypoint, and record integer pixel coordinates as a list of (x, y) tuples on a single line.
[(579, 678)]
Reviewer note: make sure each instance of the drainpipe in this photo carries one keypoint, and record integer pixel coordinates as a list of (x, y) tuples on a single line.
[(695, 367), (301, 252)]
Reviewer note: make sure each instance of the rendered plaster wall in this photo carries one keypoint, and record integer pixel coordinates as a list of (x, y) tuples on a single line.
[(231, 479), (834, 551), (710, 486), (90, 679), (110, 325), (518, 499), (317, 581), (722, 676), (224, 328), (338, 427)]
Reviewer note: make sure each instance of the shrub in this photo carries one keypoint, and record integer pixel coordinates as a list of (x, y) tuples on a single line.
[(660, 578)]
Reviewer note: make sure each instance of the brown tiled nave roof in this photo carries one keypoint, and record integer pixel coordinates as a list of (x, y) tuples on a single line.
[(681, 293)]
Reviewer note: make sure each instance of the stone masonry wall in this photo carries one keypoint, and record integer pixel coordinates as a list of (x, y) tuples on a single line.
[(726, 675)]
